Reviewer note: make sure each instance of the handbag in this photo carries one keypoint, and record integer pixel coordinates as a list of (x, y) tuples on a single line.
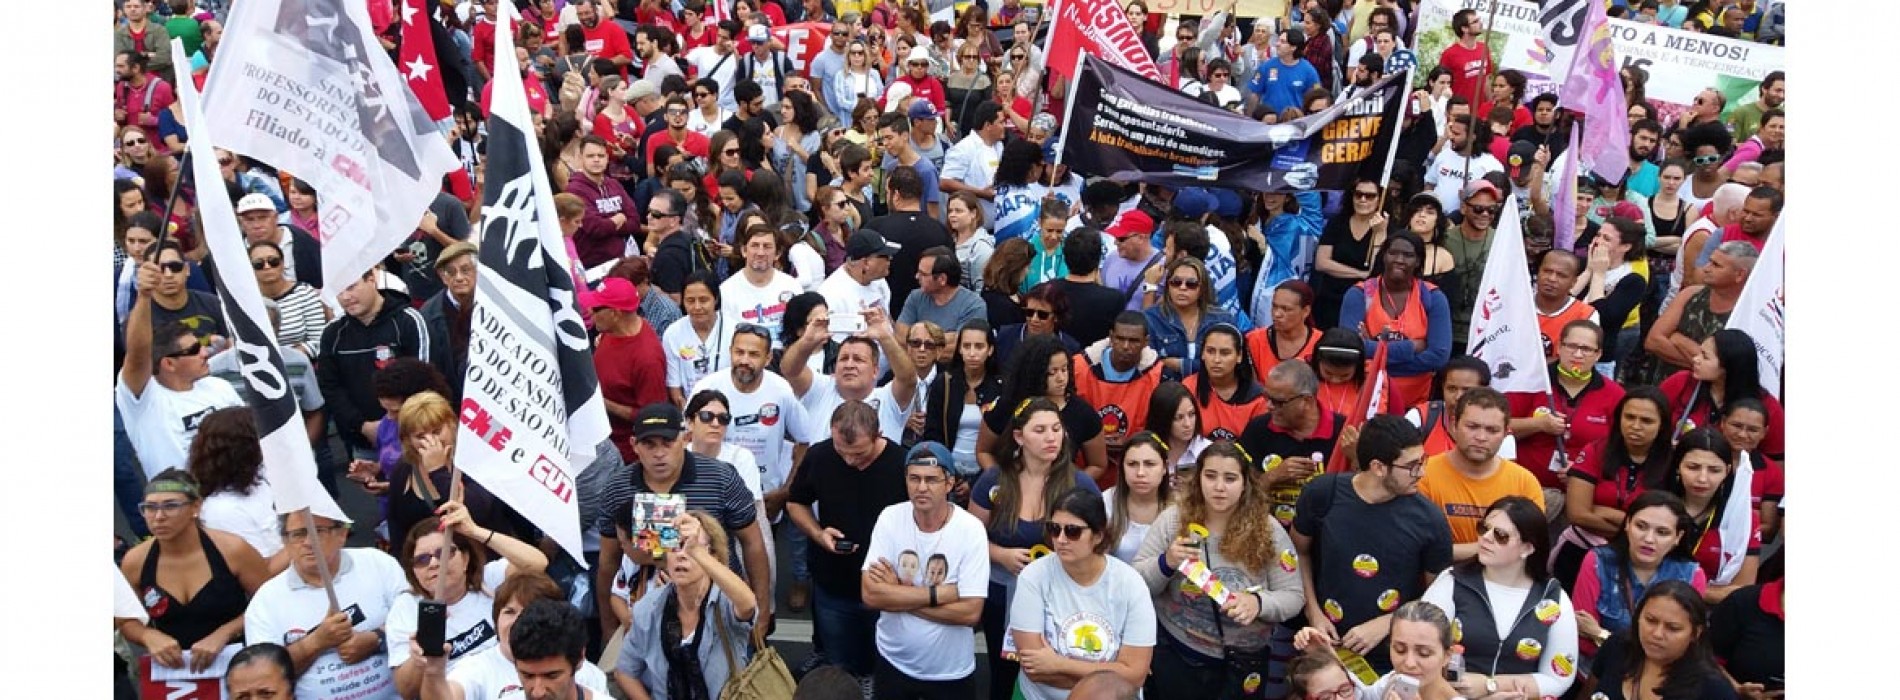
[(765, 677), (1243, 673)]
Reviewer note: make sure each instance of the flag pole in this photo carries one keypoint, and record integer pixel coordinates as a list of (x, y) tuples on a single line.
[(1392, 149), (1068, 108), (178, 187), (323, 563)]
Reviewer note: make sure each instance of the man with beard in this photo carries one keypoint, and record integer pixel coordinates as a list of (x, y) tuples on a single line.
[(1452, 167), (855, 376), (1644, 175), (606, 41), (1468, 478), (1745, 120), (1375, 514), (1543, 129)]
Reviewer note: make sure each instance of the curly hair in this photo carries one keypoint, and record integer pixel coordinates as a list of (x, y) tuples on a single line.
[(404, 377), (1249, 536), (225, 455)]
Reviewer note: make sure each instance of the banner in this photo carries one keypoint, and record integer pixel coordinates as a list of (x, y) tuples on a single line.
[(531, 405), (1504, 330), (1679, 63), (306, 86), (1593, 89), (1203, 8), (1136, 130), (1762, 309), (418, 49), (802, 43), (1098, 29), (1564, 228), (289, 464)]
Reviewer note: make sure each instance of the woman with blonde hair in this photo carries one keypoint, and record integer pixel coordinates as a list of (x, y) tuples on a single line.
[(1222, 522), (422, 481), (687, 638)]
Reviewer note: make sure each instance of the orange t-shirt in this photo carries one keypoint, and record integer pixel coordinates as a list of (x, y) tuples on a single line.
[(1265, 357), (1552, 325), (1465, 500), (1221, 420)]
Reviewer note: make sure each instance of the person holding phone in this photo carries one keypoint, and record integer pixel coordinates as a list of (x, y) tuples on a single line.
[(448, 600), (1421, 654), (850, 479), (676, 646)]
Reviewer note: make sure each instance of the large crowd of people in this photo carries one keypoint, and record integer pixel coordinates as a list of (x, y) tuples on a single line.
[(872, 353)]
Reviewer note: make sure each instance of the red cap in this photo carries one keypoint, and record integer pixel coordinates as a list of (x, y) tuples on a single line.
[(1132, 223), (614, 293)]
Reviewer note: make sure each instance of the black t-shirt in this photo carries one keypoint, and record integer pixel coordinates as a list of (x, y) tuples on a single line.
[(1363, 550), (1611, 669), (1750, 639), (673, 262), (419, 273), (200, 313), (849, 500), (916, 232), (1261, 438), (1092, 310)]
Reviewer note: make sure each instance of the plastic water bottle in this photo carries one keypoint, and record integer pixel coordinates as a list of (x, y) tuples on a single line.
[(1455, 666)]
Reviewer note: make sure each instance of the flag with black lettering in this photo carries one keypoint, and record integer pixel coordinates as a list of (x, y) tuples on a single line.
[(289, 464), (531, 405), (306, 86)]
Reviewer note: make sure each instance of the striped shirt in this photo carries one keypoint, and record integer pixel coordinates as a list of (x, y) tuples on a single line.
[(300, 316), (706, 483)]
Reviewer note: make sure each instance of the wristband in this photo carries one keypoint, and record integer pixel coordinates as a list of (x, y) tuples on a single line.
[(489, 538), (933, 596)]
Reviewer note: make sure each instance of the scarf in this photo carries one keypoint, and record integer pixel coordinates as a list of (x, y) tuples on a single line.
[(684, 678)]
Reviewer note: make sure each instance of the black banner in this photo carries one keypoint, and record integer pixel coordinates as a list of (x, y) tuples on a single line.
[(1129, 129)]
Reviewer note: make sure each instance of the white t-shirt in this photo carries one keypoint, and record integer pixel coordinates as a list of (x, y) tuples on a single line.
[(844, 295), (1089, 624), (486, 675), (741, 302), (162, 422), (1130, 541), (809, 265), (704, 59), (822, 398), (746, 465), (252, 517), (1446, 176), (973, 162), (689, 357), (471, 627), (919, 648), (766, 422), (286, 608)]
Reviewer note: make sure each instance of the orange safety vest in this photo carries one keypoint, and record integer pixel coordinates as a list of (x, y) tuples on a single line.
[(1123, 406), (1221, 420), (1266, 357), (1410, 324), (1552, 325)]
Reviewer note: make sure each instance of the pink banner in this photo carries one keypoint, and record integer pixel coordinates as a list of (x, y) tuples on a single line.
[(1099, 27), (1594, 89)]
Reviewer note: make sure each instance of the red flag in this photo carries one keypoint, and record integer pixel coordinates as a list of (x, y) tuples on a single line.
[(1098, 27), (1375, 397), (418, 60), (719, 11)]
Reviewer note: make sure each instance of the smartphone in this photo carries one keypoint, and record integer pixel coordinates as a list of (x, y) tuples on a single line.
[(432, 620), (846, 546), (845, 322), (1404, 686)]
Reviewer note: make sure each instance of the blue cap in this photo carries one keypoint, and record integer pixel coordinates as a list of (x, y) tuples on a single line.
[(1192, 202), (931, 453), (1227, 204)]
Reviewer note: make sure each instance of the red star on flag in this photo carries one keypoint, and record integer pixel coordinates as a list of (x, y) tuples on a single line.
[(418, 50)]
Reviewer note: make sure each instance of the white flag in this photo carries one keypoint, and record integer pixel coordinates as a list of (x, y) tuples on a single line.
[(305, 86), (1504, 330), (531, 405), (289, 465), (1739, 528), (1761, 310)]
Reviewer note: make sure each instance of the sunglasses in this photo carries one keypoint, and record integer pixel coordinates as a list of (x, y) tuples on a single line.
[(266, 263), (424, 559), (651, 214), (1497, 535), (173, 267), (1017, 57), (1055, 531), (920, 343), (1185, 283), (223, 161), (729, 152), (1486, 211), (1039, 313), (1365, 195), (135, 142), (701, 94), (185, 352), (855, 52), (712, 417), (1710, 159)]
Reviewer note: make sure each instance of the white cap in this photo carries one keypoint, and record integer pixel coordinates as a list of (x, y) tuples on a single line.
[(917, 53), (894, 96), (255, 202), (758, 34)]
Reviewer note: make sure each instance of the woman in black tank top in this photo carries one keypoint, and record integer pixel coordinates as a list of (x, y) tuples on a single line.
[(190, 608)]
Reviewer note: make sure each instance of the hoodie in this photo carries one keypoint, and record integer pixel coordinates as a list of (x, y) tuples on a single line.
[(599, 240), (350, 352)]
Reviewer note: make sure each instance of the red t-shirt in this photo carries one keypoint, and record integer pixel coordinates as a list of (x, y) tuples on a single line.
[(664, 19), (1467, 67), (1708, 550), (708, 34), (1678, 388), (632, 372), (929, 88), (484, 52), (1589, 416), (1771, 483), (696, 144), (608, 41), (1618, 489), (537, 95)]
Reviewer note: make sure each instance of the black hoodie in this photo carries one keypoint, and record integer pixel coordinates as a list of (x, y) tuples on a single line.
[(350, 352)]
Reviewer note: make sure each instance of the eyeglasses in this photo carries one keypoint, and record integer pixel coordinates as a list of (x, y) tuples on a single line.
[(1345, 691), (1185, 283), (923, 479), (1584, 349), (1710, 159), (1497, 535), (1417, 466), (173, 267), (1365, 195), (921, 343), (302, 534), (424, 559), (169, 508), (266, 263), (713, 417), (1485, 211), (1039, 313), (1055, 531)]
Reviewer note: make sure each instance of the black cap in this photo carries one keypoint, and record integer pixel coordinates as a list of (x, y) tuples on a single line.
[(660, 419), (865, 243)]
